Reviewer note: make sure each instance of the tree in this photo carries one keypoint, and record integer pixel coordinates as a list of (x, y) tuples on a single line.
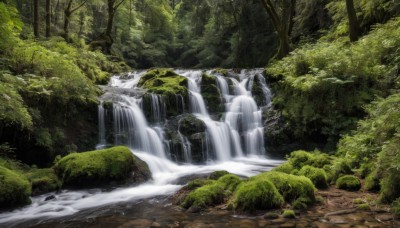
[(68, 13), (105, 40), (354, 26), (48, 18), (36, 21), (282, 22)]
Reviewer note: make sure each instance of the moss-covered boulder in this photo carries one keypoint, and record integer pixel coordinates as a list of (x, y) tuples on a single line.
[(257, 194), (217, 174), (316, 175), (92, 168), (15, 189), (210, 192), (291, 187), (348, 182), (43, 181), (190, 124), (172, 87), (205, 196), (211, 94)]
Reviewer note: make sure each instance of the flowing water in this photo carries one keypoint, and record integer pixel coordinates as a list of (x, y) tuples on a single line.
[(234, 142)]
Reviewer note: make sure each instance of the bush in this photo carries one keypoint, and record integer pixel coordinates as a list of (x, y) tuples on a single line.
[(101, 166), (289, 186), (348, 182), (316, 175), (257, 194), (300, 158), (15, 189)]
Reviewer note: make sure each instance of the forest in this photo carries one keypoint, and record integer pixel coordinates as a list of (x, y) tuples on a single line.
[(102, 94)]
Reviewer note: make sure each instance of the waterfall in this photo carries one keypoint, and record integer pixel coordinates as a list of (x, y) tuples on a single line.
[(102, 128), (139, 118)]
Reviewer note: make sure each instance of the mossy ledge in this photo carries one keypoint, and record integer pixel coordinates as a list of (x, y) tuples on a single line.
[(93, 168), (15, 189), (164, 82)]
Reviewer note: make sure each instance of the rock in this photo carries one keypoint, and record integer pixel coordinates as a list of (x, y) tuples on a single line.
[(211, 94), (341, 212), (271, 215), (101, 167), (51, 197), (43, 181), (384, 217)]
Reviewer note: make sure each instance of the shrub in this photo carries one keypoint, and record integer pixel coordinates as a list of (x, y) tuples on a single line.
[(316, 175), (15, 189), (257, 194), (101, 166), (348, 182)]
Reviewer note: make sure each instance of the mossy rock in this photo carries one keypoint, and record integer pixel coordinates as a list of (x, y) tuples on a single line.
[(165, 82), (348, 182), (291, 187), (43, 181), (338, 168), (15, 189), (217, 174), (286, 167), (316, 175), (288, 214), (197, 183), (205, 196), (229, 182), (257, 194), (220, 71), (372, 182), (364, 207), (211, 94), (317, 159), (100, 167), (190, 124), (210, 192)]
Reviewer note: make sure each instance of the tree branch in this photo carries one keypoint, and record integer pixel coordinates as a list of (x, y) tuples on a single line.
[(117, 5), (76, 8)]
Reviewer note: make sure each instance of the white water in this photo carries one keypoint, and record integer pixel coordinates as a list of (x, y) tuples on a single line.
[(165, 173), (239, 133)]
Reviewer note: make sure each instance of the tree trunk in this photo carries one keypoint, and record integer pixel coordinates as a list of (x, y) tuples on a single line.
[(282, 24), (110, 21), (67, 16), (48, 18), (36, 18), (354, 26)]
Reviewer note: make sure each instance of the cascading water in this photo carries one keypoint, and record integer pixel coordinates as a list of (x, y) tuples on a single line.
[(229, 138)]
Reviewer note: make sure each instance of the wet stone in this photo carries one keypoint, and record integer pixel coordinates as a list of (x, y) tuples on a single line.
[(287, 225)]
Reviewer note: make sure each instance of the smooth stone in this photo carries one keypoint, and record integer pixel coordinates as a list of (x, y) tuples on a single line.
[(49, 198), (384, 217)]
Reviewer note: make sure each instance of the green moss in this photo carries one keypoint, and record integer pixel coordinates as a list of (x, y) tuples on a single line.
[(290, 186), (372, 182), (364, 207), (286, 167), (165, 82), (271, 215), (339, 167), (288, 214), (300, 204), (348, 182), (257, 194), (207, 195), (317, 159), (211, 94), (221, 71), (358, 201), (96, 167), (217, 174), (192, 185), (316, 175), (43, 181), (229, 182), (396, 206), (15, 189)]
